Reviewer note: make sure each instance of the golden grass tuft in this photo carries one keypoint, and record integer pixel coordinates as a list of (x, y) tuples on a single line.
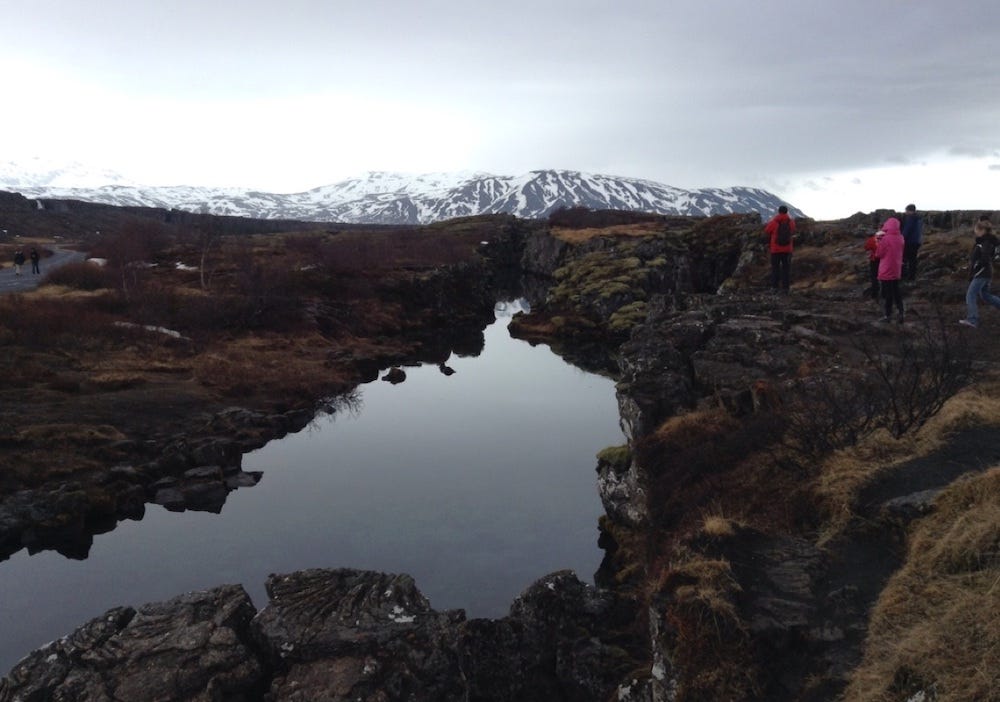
[(709, 642), (718, 526), (712, 585), (690, 430), (936, 627)]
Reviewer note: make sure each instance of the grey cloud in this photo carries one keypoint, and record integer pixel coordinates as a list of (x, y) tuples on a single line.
[(686, 92)]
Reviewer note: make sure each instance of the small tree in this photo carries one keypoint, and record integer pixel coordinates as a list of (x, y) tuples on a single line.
[(919, 376), (130, 250)]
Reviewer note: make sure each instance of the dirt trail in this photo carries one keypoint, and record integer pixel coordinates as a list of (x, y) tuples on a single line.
[(11, 282), (971, 450)]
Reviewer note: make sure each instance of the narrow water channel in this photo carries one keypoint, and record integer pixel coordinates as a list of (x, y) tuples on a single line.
[(475, 483)]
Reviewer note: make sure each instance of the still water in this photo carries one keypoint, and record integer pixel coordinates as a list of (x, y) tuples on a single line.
[(476, 484)]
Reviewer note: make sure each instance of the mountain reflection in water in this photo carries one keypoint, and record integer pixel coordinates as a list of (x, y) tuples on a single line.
[(475, 483)]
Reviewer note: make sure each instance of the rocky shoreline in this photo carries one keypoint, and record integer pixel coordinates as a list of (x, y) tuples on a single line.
[(336, 635)]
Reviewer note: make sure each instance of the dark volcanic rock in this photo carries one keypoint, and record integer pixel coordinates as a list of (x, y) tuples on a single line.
[(193, 647), (348, 634), (339, 635), (564, 640)]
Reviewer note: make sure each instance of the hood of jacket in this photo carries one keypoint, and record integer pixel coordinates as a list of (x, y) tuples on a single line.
[(891, 226)]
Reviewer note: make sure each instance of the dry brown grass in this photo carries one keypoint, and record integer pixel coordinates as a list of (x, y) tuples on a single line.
[(64, 293), (69, 433), (116, 380), (708, 462), (578, 236), (845, 473), (268, 364), (709, 641), (936, 627), (718, 526)]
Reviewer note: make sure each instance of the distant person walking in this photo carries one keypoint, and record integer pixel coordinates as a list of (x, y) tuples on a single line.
[(781, 230), (889, 252), (871, 246), (18, 261), (980, 273), (34, 261), (913, 236)]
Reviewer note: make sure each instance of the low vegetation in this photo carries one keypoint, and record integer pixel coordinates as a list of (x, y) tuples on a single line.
[(935, 633), (180, 318)]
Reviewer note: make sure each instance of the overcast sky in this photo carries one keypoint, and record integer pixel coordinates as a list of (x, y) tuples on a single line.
[(835, 105)]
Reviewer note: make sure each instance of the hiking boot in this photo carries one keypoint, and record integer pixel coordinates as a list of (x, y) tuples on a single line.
[(886, 319), (967, 323)]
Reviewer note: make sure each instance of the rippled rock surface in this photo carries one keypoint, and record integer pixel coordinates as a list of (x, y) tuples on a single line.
[(338, 635)]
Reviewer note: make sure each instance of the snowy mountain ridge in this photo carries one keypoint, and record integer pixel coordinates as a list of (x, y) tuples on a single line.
[(380, 197)]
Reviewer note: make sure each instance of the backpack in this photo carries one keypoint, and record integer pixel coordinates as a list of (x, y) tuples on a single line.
[(784, 237)]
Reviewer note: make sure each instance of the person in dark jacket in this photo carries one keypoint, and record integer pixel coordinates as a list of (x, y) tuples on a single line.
[(781, 253), (18, 261), (34, 261), (980, 273), (913, 237)]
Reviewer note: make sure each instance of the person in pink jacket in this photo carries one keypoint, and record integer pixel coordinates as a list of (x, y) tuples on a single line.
[(889, 252)]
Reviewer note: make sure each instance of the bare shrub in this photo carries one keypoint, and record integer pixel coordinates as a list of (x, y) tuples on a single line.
[(40, 322), (825, 413), (267, 295), (898, 387), (919, 376), (81, 276), (129, 250), (410, 248)]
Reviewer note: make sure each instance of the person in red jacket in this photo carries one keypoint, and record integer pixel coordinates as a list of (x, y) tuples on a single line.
[(871, 245), (781, 230)]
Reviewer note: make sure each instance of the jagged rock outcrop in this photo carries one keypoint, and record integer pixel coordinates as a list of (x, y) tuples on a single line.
[(339, 635), (194, 647)]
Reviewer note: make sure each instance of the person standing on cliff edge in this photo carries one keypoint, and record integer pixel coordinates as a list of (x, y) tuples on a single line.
[(781, 230), (913, 236)]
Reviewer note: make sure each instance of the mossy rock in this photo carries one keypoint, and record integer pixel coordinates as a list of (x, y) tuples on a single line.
[(617, 457), (628, 316)]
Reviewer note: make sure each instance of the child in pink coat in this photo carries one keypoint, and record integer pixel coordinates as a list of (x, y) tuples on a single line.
[(889, 252)]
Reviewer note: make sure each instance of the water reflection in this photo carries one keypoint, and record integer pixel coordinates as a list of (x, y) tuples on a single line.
[(476, 483)]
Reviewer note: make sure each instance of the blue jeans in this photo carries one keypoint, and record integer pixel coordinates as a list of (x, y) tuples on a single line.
[(979, 288)]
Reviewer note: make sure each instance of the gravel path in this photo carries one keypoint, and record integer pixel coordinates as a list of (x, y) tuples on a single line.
[(9, 282)]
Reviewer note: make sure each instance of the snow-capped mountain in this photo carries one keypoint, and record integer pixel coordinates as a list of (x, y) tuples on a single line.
[(45, 173), (393, 198)]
